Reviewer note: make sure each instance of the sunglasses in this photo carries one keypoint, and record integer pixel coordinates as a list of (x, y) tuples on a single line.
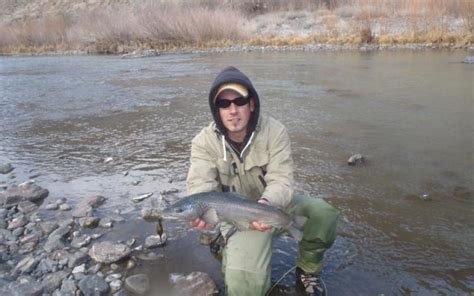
[(239, 101)]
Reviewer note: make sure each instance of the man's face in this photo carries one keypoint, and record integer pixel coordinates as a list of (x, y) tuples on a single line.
[(235, 118)]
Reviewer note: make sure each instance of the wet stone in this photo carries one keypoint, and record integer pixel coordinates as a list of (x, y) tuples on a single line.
[(3, 213), (26, 286), (53, 281), (51, 207), (17, 222), (27, 206), (89, 222), (108, 252), (355, 159), (138, 284), (18, 231), (106, 223), (26, 265), (77, 258), (94, 201), (65, 207), (82, 210), (6, 168), (48, 227), (93, 285), (150, 256), (115, 285), (47, 265), (80, 241), (154, 241), (79, 269), (68, 287), (194, 284), (28, 191)]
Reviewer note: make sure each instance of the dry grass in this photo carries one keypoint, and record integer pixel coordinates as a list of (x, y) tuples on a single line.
[(214, 23)]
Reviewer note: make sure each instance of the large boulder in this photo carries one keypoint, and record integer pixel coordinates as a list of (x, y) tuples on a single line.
[(28, 191)]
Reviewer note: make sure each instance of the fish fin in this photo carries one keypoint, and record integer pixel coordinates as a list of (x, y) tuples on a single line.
[(295, 232), (210, 216)]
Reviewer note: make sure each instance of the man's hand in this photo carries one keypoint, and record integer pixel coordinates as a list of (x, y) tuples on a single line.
[(261, 226), (200, 224)]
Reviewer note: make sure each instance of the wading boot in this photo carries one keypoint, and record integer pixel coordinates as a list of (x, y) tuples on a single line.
[(309, 284)]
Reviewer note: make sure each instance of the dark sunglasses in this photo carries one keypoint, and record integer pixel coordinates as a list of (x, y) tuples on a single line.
[(239, 101)]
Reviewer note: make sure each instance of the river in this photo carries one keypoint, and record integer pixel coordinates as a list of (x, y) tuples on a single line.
[(407, 224)]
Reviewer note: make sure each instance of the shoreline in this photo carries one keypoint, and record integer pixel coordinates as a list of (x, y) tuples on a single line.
[(310, 47)]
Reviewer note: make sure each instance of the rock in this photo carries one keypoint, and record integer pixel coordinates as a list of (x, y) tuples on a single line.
[(142, 197), (51, 206), (154, 241), (53, 280), (68, 287), (18, 231), (469, 60), (115, 285), (151, 214), (355, 159), (79, 269), (94, 201), (136, 182), (3, 213), (93, 285), (106, 222), (48, 227), (55, 239), (89, 222), (27, 206), (138, 284), (108, 252), (26, 265), (150, 256), (108, 159), (113, 277), (31, 237), (28, 191), (82, 210), (77, 258), (195, 284), (6, 168), (25, 286), (81, 241), (17, 222), (46, 265), (65, 207)]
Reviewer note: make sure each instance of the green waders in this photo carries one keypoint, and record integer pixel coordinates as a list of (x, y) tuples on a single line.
[(247, 255)]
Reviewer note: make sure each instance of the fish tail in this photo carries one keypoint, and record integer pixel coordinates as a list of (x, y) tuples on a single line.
[(295, 232)]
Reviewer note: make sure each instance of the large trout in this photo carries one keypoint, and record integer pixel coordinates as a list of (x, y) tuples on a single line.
[(215, 207)]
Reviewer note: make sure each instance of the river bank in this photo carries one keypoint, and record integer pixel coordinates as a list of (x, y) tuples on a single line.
[(183, 27)]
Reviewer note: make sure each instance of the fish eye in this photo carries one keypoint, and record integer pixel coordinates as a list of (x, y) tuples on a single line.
[(179, 210)]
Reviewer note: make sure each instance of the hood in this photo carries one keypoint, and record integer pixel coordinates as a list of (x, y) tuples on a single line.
[(233, 75)]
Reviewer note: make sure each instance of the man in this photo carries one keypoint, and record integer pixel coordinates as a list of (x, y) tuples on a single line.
[(244, 152)]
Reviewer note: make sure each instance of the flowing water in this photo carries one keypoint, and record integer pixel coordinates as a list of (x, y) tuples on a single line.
[(407, 224)]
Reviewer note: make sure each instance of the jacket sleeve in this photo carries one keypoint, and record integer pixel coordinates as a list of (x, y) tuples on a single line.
[(279, 175), (202, 174)]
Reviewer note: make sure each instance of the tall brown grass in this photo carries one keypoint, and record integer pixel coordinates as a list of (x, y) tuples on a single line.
[(202, 23)]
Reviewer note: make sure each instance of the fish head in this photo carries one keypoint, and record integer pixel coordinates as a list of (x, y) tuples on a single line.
[(181, 210)]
